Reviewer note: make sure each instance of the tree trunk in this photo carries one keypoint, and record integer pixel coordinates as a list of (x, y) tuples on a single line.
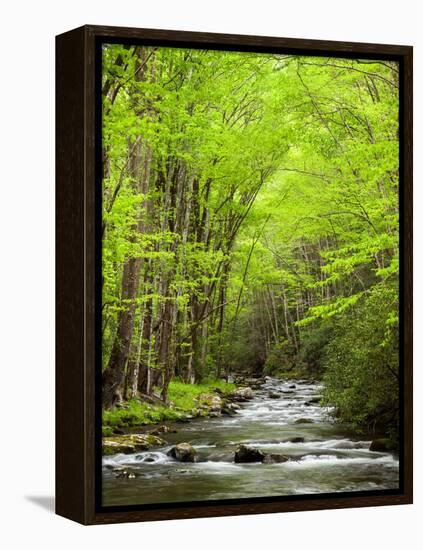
[(113, 376)]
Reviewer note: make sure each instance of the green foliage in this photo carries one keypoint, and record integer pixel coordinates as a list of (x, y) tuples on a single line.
[(280, 359), (107, 431), (184, 396), (138, 413), (361, 378), (182, 400), (259, 195), (313, 345)]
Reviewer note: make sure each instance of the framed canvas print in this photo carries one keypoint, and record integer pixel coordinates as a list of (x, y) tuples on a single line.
[(234, 274)]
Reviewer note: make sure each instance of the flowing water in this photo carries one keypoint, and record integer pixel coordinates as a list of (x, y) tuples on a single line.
[(329, 459)]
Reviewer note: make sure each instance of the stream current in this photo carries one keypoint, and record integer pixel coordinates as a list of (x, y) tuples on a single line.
[(325, 457)]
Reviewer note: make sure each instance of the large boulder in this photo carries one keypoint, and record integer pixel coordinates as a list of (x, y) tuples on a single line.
[(244, 453), (130, 443), (183, 452), (274, 458), (382, 445), (210, 401), (242, 394)]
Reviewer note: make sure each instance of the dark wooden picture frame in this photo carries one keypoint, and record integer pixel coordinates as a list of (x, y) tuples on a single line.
[(78, 230)]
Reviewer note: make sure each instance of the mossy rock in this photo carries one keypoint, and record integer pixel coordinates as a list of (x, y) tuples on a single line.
[(183, 452), (130, 443), (210, 400), (304, 421), (242, 394)]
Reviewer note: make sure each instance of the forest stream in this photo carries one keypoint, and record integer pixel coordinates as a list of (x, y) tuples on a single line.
[(324, 457)]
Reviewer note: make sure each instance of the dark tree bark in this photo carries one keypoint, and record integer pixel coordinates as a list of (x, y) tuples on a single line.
[(113, 376)]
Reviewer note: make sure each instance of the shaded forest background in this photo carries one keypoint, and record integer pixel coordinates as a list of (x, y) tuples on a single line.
[(250, 224)]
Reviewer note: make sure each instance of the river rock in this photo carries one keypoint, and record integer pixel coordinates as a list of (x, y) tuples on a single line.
[(274, 458), (186, 418), (211, 401), (229, 408), (162, 430), (304, 421), (130, 443), (125, 473), (296, 440), (292, 387), (244, 453), (313, 401), (253, 382), (274, 395), (382, 445), (183, 452), (242, 394)]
